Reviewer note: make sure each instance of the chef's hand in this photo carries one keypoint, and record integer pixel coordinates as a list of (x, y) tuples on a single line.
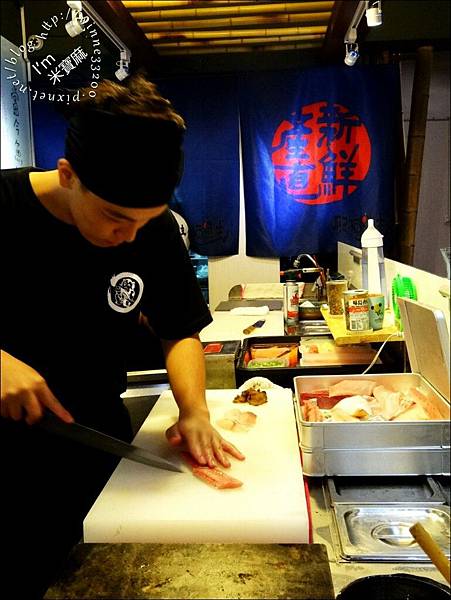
[(25, 394), (203, 441)]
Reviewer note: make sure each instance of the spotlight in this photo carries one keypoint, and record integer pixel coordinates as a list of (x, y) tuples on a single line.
[(123, 64), (352, 54), (74, 26), (373, 13)]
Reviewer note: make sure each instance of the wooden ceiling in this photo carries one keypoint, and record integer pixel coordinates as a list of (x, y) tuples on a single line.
[(224, 27)]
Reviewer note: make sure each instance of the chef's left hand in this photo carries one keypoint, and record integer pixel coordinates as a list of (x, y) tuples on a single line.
[(203, 441)]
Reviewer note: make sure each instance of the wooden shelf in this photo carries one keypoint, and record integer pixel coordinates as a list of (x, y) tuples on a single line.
[(342, 336)]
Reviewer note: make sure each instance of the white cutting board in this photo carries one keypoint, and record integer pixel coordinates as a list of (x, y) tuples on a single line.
[(148, 505)]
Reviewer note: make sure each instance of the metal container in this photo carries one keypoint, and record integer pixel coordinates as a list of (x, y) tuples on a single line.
[(388, 448), (357, 311), (291, 303), (307, 313), (220, 361), (335, 289)]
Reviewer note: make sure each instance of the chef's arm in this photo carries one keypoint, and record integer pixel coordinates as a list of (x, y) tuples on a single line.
[(25, 393), (185, 365)]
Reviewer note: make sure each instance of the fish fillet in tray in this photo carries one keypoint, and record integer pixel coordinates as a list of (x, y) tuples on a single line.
[(413, 440)]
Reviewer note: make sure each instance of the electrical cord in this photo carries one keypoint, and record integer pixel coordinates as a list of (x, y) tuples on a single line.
[(372, 363)]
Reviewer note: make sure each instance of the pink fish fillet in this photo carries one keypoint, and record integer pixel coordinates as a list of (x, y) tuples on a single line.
[(352, 387), (211, 475)]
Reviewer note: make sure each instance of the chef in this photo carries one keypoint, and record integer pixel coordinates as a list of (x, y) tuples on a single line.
[(85, 249)]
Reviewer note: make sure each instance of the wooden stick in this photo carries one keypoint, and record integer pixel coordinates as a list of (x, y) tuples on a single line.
[(431, 548)]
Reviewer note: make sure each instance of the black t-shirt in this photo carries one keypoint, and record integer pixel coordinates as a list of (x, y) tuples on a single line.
[(69, 305)]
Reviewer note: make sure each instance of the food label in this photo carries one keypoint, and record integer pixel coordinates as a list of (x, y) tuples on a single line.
[(357, 313), (291, 303)]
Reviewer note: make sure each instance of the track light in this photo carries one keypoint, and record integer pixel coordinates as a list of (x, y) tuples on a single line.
[(352, 54), (124, 65), (74, 26), (373, 13)]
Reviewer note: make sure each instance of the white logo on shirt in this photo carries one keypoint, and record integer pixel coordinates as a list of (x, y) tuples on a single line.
[(125, 291)]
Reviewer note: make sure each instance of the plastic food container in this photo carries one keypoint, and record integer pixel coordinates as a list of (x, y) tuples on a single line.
[(267, 363), (324, 351)]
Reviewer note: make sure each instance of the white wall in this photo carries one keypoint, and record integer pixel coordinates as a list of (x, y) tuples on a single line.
[(226, 271), (431, 289)]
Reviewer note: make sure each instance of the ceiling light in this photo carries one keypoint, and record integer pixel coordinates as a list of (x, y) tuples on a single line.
[(352, 54), (373, 13), (124, 66), (74, 26)]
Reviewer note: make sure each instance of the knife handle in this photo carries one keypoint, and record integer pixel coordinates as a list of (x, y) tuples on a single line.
[(248, 329)]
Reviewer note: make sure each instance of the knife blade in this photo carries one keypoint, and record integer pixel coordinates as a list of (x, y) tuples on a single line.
[(251, 328), (101, 441)]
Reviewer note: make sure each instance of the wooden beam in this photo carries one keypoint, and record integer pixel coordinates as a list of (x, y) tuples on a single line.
[(234, 33), (280, 20), (170, 4), (232, 11), (414, 157), (258, 41)]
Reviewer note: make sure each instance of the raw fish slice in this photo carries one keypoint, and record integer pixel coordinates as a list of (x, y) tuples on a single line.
[(311, 412), (216, 478), (355, 406), (352, 387), (322, 396), (340, 415), (390, 401), (246, 418), (211, 475), (414, 413), (232, 425), (233, 414), (227, 424), (406, 404)]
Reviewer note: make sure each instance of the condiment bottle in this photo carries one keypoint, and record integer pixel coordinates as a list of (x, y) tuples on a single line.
[(373, 265)]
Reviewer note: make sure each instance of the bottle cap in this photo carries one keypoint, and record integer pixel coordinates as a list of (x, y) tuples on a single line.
[(371, 237)]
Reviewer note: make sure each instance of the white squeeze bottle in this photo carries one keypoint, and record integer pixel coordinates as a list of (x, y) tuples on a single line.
[(373, 265)]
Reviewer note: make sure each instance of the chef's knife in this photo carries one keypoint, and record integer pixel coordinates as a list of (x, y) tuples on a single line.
[(251, 328), (101, 441)]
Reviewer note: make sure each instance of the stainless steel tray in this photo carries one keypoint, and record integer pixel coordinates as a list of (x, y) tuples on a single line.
[(315, 327), (381, 533), (382, 462), (391, 490), (374, 448)]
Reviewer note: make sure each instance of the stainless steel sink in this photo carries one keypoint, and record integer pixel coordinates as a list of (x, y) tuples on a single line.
[(372, 518), (381, 533)]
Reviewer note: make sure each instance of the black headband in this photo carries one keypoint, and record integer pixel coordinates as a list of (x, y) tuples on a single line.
[(132, 161)]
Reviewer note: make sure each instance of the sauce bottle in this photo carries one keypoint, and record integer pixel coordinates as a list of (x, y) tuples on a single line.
[(373, 265)]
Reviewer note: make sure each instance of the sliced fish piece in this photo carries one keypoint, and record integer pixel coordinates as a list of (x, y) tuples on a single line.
[(211, 475)]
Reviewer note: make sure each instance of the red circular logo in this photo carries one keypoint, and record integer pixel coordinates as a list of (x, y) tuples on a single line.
[(322, 155)]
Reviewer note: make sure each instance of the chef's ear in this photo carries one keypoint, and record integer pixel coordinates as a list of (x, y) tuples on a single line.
[(66, 174)]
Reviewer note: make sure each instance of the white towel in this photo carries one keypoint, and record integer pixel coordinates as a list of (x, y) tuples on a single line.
[(250, 310), (249, 291)]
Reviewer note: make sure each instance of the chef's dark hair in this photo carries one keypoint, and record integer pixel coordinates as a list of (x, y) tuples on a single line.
[(125, 143), (135, 96)]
